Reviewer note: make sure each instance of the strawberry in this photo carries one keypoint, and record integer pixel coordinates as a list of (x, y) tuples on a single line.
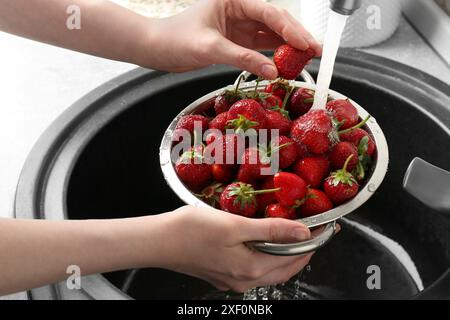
[(287, 151), (278, 88), (269, 101), (193, 171), (224, 101), (341, 186), (302, 151), (300, 102), (316, 202), (188, 123), (226, 150), (276, 210), (252, 162), (223, 172), (355, 135), (278, 120), (211, 194), (240, 198), (219, 122), (312, 169), (246, 114), (314, 130), (291, 61), (344, 112), (292, 189), (265, 199), (340, 152)]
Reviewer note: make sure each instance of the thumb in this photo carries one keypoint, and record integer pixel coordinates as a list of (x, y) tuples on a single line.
[(276, 230), (246, 59)]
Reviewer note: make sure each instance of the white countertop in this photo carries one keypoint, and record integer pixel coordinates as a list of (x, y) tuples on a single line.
[(38, 82)]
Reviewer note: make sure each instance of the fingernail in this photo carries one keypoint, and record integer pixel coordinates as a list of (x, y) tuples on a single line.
[(300, 233), (269, 71)]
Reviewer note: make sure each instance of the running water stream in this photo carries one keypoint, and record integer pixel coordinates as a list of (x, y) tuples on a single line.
[(335, 27)]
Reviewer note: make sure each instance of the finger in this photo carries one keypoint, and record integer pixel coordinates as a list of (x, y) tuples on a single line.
[(276, 19), (278, 275), (284, 273), (313, 43), (319, 230), (267, 41), (273, 230), (246, 59)]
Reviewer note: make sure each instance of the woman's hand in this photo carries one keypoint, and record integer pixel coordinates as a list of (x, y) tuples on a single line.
[(209, 244), (225, 32), (210, 32)]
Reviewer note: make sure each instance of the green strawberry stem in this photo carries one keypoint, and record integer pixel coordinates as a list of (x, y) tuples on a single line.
[(286, 98), (360, 173), (241, 124), (278, 148), (262, 191), (359, 125), (238, 83), (255, 92), (344, 168), (308, 100)]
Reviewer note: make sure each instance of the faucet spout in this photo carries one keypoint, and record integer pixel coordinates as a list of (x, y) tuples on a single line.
[(345, 7)]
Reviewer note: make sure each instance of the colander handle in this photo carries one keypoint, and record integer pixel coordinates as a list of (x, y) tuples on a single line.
[(298, 248), (305, 75)]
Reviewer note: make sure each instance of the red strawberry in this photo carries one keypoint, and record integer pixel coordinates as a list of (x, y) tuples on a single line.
[(188, 123), (340, 152), (276, 210), (278, 88), (224, 101), (219, 122), (211, 194), (341, 186), (240, 198), (246, 114), (300, 102), (269, 101), (302, 151), (287, 151), (344, 112), (226, 150), (312, 169), (316, 202), (291, 61), (191, 169), (265, 199), (252, 162), (292, 189), (315, 131), (223, 172), (278, 120), (355, 135)]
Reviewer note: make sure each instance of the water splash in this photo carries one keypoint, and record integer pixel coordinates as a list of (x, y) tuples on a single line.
[(335, 27)]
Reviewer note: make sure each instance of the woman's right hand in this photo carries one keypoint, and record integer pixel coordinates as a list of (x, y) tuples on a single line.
[(210, 244)]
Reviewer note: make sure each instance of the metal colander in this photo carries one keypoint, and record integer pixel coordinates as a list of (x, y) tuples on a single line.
[(372, 182)]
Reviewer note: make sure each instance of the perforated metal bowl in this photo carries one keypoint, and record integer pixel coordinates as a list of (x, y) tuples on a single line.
[(373, 181)]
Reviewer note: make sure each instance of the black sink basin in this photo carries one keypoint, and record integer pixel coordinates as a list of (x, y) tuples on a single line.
[(100, 160)]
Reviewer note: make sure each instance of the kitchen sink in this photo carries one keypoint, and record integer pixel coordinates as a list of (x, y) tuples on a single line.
[(100, 160)]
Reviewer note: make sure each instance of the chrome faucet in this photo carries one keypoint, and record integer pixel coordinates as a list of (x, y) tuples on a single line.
[(345, 7)]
